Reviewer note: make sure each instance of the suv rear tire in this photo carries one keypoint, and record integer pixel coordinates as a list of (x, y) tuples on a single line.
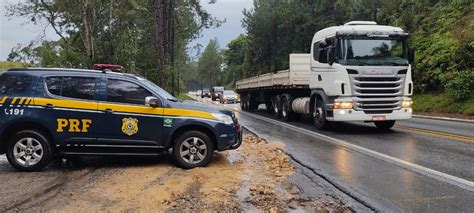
[(29, 151), (193, 149)]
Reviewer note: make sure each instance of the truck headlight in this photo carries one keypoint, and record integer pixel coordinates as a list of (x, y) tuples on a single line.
[(341, 105), (407, 104), (223, 118)]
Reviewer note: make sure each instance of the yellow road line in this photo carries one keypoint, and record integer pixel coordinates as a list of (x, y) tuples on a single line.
[(437, 133)]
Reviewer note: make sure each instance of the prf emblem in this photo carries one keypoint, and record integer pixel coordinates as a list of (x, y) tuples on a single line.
[(130, 126)]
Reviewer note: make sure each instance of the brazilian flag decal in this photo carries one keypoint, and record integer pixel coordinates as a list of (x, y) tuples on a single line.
[(168, 122)]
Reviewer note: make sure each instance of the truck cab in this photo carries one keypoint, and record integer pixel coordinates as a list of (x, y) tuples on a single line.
[(362, 73), (217, 92), (359, 71)]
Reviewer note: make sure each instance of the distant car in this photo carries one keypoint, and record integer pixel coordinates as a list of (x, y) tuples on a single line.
[(206, 93), (216, 93), (229, 96)]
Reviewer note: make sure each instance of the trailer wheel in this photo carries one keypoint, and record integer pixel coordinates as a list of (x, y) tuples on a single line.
[(243, 103), (319, 115), (247, 107), (276, 106), (269, 107), (286, 113)]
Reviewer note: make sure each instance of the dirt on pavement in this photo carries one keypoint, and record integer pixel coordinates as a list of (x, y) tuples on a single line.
[(251, 178)]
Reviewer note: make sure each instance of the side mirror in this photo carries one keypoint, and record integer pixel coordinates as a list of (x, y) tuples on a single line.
[(411, 55), (331, 55), (151, 101), (323, 56), (328, 41)]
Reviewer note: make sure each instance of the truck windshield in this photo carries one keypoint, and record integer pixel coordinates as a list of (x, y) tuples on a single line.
[(372, 52)]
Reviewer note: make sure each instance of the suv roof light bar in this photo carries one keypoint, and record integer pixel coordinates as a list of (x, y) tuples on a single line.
[(108, 67)]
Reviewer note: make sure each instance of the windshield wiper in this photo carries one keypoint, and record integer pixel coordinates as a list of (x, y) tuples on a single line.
[(172, 99), (360, 63), (393, 63), (388, 63)]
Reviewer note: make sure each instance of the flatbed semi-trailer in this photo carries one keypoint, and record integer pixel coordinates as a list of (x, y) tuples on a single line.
[(356, 72)]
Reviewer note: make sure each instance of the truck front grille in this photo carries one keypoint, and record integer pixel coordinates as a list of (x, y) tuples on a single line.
[(377, 95)]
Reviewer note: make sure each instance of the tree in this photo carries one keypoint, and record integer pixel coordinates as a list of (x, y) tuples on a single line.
[(148, 37), (236, 61), (209, 65)]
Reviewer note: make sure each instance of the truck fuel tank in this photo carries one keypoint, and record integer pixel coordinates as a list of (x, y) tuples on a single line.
[(301, 105)]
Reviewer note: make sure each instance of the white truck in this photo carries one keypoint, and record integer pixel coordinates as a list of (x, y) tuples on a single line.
[(359, 71)]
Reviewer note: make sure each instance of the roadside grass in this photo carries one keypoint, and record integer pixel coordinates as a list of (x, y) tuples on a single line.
[(184, 96), (442, 103), (5, 65)]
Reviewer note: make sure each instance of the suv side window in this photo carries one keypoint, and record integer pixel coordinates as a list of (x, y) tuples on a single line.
[(54, 85), (14, 84), (120, 91), (72, 87)]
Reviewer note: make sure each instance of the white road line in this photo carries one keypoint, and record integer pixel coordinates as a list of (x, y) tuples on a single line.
[(456, 181), (444, 118)]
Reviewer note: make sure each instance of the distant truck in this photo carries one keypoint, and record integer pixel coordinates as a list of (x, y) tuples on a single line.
[(359, 71), (216, 92), (205, 93)]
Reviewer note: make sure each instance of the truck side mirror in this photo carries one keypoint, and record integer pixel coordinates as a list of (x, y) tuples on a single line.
[(411, 55), (328, 41), (323, 56), (331, 55)]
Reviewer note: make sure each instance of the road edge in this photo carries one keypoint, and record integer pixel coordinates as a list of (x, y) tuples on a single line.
[(336, 187), (443, 118)]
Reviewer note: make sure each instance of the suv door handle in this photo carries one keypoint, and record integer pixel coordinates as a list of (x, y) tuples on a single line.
[(108, 111), (48, 106)]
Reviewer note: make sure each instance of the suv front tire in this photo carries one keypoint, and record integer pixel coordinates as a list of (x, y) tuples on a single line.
[(193, 149), (29, 151)]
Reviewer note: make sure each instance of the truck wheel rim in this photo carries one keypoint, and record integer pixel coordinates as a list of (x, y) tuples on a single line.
[(193, 150), (28, 151), (318, 112)]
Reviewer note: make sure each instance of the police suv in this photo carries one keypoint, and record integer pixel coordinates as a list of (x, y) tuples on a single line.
[(48, 112)]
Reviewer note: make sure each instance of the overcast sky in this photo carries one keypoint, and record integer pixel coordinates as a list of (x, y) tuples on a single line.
[(17, 30)]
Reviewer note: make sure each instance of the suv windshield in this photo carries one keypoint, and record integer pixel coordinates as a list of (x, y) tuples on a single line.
[(161, 92), (376, 52)]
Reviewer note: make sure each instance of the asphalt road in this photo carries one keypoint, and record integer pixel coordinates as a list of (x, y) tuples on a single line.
[(444, 147)]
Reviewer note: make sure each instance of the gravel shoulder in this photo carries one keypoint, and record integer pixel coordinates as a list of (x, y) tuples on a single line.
[(257, 176)]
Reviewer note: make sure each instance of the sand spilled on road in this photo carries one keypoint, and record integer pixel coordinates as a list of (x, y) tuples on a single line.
[(254, 177)]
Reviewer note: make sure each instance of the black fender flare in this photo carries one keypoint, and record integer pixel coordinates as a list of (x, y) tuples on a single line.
[(315, 94)]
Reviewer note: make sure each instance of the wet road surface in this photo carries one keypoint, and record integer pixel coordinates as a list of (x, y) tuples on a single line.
[(383, 185)]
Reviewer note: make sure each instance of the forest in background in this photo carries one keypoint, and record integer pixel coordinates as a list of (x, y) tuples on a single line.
[(441, 33), (148, 37), (152, 37)]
